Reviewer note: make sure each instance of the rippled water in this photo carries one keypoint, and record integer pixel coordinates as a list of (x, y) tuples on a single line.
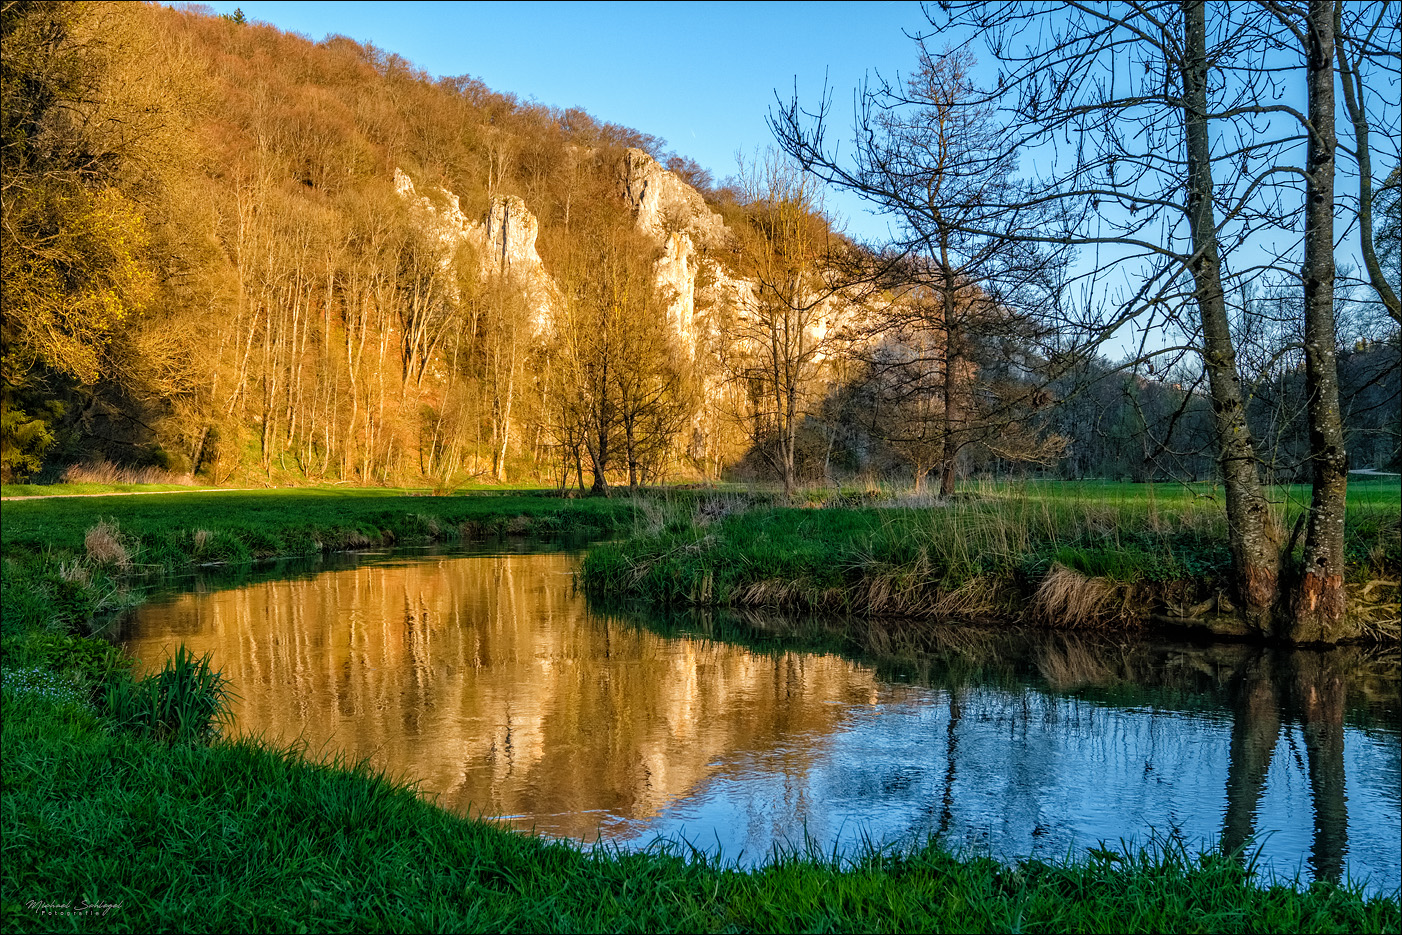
[(488, 680)]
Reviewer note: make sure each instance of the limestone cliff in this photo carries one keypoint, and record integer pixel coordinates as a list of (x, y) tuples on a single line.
[(504, 241), (664, 206)]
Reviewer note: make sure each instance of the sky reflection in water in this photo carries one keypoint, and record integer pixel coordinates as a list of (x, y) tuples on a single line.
[(488, 680)]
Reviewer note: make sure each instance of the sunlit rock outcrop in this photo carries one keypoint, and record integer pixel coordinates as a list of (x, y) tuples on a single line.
[(664, 204), (504, 242)]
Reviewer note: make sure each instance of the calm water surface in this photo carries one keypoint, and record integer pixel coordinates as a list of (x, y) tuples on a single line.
[(488, 680)]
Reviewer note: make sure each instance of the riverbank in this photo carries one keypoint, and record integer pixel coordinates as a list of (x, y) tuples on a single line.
[(1121, 557), (208, 833), (158, 836), (70, 561)]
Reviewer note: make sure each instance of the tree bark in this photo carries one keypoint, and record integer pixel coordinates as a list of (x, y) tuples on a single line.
[(1250, 530), (952, 412), (1316, 612)]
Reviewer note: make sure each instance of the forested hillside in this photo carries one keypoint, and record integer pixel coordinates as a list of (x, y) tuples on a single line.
[(238, 253), (207, 265)]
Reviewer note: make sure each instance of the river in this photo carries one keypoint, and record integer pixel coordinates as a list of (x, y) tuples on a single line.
[(490, 682)]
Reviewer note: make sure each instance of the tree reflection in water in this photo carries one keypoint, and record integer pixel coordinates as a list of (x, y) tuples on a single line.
[(487, 680), (1300, 688)]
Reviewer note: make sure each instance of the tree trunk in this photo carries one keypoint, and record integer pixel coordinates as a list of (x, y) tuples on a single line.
[(1250, 530), (1316, 612), (952, 413), (632, 453), (198, 456), (598, 458)]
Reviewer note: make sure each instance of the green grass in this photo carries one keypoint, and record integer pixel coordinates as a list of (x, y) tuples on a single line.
[(69, 561), (1126, 550), (296, 521), (240, 836), (109, 801), (68, 490)]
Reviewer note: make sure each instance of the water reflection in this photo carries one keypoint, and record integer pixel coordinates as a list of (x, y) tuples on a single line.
[(1275, 690), (487, 680)]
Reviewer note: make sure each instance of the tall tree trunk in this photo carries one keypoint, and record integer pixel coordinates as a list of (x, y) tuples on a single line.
[(632, 451), (198, 456), (598, 460), (952, 412), (1316, 612), (1250, 530)]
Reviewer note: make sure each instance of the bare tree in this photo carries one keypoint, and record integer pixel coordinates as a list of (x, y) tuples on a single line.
[(805, 279), (1361, 33), (1160, 133), (928, 152)]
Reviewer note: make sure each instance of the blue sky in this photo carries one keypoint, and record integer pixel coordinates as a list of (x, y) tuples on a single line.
[(701, 76)]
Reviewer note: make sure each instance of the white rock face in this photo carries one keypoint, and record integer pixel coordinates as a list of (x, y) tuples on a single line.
[(504, 242), (675, 214), (665, 207), (508, 237), (663, 203)]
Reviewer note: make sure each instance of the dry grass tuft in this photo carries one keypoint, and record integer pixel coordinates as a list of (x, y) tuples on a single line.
[(1067, 598), (75, 571), (975, 597), (104, 472), (1375, 609), (105, 547)]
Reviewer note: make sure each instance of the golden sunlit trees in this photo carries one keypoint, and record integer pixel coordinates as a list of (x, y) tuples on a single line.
[(619, 382), (72, 244), (803, 277)]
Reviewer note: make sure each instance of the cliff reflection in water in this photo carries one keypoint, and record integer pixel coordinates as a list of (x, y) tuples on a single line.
[(487, 679)]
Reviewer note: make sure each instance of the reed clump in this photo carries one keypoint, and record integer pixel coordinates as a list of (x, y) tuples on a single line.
[(104, 472), (106, 547), (186, 702)]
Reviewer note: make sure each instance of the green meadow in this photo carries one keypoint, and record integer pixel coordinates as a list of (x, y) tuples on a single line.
[(1054, 554), (121, 792)]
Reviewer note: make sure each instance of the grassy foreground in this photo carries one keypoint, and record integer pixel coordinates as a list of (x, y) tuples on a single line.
[(234, 836), (1063, 555), (120, 795)]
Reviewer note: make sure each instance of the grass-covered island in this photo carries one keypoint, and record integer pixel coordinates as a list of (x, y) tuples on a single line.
[(121, 795)]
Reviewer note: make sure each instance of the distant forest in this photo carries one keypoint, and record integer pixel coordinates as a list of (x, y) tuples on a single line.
[(207, 269)]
